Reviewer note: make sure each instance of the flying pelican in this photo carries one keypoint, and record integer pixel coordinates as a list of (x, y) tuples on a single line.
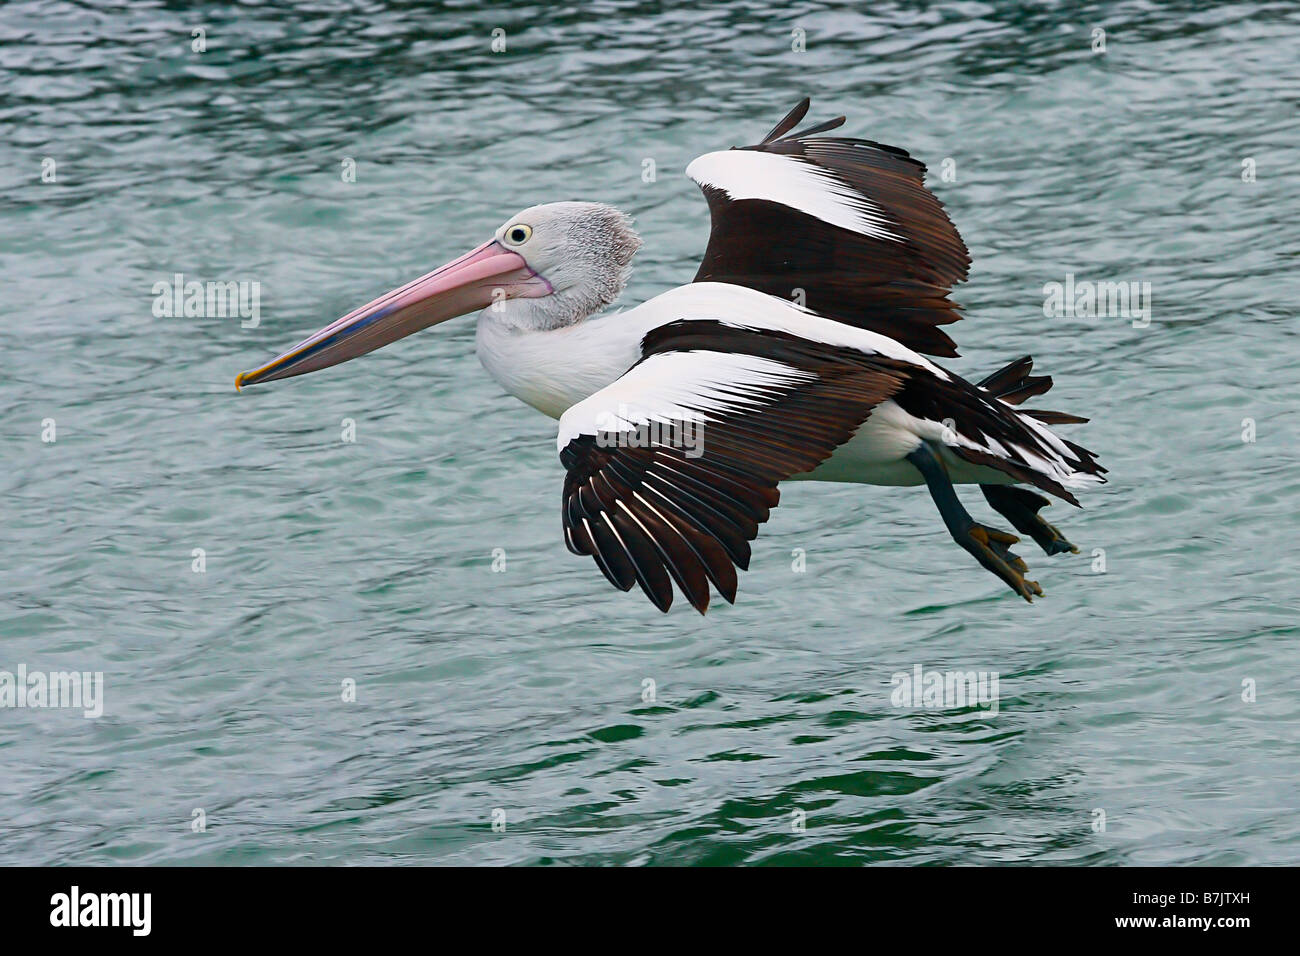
[(796, 353)]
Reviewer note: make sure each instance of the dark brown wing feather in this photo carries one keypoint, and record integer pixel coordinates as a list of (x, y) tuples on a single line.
[(1013, 384), (897, 288)]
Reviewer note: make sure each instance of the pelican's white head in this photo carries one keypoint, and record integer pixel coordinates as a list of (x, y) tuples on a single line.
[(584, 252), (546, 267)]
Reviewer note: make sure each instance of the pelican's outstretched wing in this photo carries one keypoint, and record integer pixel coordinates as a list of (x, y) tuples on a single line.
[(847, 221), (672, 468)]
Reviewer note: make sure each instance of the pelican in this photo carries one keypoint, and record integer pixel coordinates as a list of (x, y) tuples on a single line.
[(802, 350)]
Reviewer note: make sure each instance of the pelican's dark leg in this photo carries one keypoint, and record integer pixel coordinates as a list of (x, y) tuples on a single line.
[(988, 545), (1020, 507)]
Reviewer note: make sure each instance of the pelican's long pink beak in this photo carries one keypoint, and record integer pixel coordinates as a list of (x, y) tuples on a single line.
[(474, 281)]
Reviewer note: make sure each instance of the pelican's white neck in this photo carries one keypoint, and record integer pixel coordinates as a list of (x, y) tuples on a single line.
[(553, 368)]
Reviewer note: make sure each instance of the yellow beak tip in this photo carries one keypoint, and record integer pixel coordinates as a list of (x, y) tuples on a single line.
[(239, 381)]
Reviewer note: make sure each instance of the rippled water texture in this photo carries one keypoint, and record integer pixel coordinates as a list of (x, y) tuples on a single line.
[(525, 690)]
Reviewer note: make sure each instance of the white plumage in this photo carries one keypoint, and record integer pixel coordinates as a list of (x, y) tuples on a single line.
[(744, 174)]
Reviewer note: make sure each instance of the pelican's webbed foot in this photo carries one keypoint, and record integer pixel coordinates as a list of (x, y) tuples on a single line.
[(989, 546), (1020, 506)]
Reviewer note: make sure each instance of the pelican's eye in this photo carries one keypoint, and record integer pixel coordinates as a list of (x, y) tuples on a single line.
[(518, 234)]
